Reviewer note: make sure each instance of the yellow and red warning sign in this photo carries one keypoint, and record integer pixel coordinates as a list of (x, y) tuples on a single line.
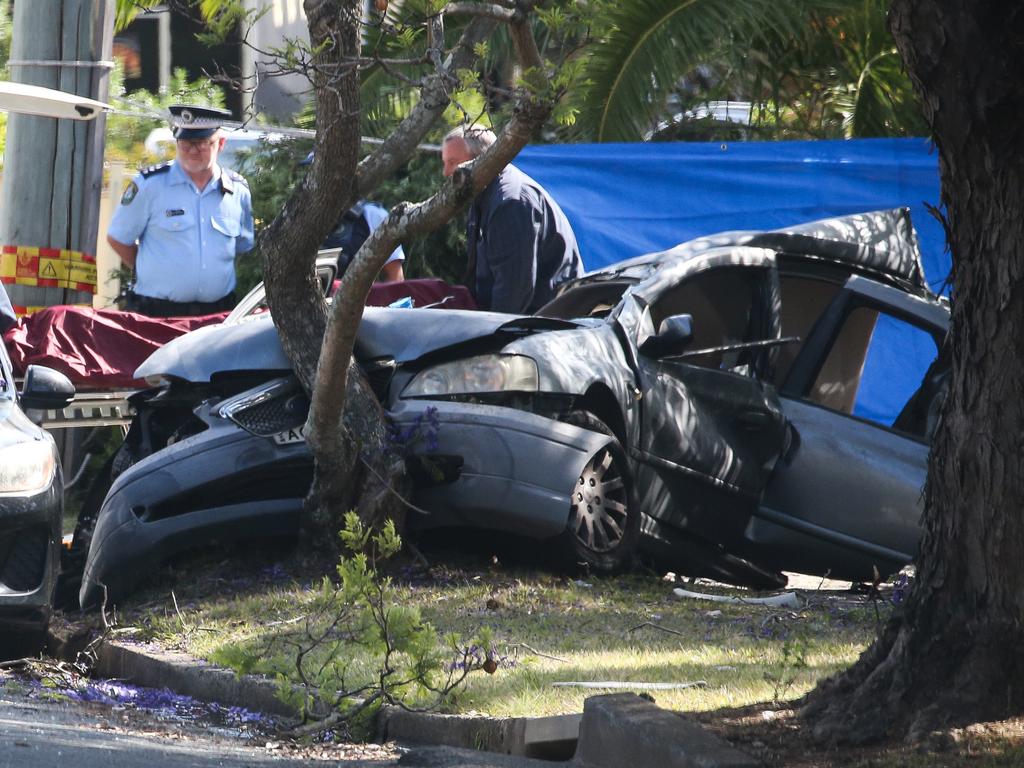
[(47, 268)]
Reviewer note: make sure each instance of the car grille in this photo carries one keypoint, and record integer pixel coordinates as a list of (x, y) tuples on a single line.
[(23, 558), (275, 415)]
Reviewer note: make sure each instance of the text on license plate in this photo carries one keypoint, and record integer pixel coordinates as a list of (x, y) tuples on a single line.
[(297, 435)]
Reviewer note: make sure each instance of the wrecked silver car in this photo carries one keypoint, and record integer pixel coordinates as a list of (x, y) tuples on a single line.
[(707, 405)]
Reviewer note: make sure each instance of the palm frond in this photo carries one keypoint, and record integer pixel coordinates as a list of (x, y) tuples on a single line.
[(647, 45), (125, 12)]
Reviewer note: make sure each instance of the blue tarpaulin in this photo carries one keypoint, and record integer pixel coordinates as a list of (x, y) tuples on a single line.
[(628, 199)]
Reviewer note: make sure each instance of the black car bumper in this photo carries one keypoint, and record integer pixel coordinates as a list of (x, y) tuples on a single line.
[(30, 532), (220, 485)]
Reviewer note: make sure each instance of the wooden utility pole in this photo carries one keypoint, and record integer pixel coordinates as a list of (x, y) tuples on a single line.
[(53, 169)]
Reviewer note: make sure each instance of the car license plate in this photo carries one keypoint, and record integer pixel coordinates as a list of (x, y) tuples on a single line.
[(289, 436)]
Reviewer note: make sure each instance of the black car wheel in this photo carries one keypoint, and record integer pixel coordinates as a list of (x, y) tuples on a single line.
[(19, 642), (604, 520)]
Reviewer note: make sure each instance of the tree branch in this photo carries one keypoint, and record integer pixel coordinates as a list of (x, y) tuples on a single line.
[(408, 221), (435, 96), (487, 10)]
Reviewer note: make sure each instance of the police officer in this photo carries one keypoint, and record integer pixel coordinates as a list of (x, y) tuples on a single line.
[(354, 228), (181, 224), (352, 231)]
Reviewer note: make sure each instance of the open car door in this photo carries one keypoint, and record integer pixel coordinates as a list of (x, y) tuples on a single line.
[(845, 499), (711, 421)]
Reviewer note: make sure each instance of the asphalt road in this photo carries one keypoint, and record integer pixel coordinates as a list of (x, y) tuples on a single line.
[(40, 733)]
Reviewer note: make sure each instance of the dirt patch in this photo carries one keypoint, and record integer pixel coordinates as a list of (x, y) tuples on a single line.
[(775, 735)]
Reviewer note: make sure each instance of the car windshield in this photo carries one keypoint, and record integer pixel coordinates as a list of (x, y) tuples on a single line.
[(586, 300)]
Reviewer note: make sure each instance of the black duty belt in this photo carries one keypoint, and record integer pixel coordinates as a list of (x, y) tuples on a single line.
[(148, 305)]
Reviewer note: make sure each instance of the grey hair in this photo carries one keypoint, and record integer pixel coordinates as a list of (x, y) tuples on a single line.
[(476, 139)]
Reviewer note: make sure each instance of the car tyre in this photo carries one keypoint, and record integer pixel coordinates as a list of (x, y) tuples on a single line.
[(604, 517), (20, 643)]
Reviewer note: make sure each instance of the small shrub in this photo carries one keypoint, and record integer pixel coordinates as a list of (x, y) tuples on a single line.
[(412, 668)]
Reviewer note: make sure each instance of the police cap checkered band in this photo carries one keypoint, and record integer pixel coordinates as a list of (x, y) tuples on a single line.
[(188, 122)]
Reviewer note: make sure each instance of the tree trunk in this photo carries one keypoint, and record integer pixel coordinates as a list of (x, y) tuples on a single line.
[(346, 427), (289, 245), (336, 448), (363, 475), (953, 657)]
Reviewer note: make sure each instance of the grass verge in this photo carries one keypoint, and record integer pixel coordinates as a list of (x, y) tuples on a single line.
[(547, 629)]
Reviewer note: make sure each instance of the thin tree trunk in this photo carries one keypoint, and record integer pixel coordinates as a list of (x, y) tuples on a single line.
[(289, 244), (954, 656)]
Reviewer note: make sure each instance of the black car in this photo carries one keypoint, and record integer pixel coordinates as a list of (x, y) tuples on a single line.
[(701, 404), (31, 506)]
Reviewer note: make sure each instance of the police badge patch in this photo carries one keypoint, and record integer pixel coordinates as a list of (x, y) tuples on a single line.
[(129, 193)]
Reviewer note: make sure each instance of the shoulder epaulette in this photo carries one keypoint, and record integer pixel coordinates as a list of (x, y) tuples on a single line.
[(236, 176), (155, 169)]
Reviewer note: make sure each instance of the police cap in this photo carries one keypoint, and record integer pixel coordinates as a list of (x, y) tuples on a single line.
[(188, 122)]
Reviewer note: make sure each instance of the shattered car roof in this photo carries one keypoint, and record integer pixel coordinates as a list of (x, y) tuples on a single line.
[(879, 242)]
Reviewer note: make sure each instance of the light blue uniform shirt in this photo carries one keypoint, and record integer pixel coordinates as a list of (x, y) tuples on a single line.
[(375, 215), (187, 239)]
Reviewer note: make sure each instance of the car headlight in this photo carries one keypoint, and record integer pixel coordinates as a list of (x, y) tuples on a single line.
[(26, 468), (476, 375)]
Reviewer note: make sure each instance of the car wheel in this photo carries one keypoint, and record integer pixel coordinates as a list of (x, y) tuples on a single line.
[(20, 643), (604, 520)]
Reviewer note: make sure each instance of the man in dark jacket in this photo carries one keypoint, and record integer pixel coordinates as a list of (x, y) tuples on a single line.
[(520, 245)]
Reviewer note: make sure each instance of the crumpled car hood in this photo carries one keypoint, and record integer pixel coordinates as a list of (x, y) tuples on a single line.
[(402, 334), (248, 346), (407, 334)]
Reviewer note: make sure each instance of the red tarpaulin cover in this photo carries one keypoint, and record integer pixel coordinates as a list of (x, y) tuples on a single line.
[(95, 348), (101, 348)]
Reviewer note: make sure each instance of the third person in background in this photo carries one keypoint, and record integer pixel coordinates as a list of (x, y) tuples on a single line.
[(519, 244)]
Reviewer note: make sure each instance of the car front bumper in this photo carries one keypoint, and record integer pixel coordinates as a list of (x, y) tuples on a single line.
[(503, 469), (220, 485), (30, 532)]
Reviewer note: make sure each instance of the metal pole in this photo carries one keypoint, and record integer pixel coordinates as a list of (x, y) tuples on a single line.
[(54, 168), (53, 174)]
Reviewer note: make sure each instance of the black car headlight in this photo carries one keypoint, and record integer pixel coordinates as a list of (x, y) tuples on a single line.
[(274, 407), (26, 468), (476, 375)]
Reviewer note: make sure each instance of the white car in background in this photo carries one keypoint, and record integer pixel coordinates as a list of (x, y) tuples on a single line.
[(160, 142)]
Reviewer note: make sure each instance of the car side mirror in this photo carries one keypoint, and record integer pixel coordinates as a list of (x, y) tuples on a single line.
[(674, 335), (46, 389)]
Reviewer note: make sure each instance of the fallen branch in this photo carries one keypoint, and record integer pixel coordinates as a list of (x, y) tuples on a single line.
[(626, 685), (786, 600), (535, 652), (416, 554), (388, 487), (181, 619), (656, 626)]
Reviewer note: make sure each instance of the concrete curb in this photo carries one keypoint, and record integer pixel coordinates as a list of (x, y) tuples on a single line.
[(620, 729), (550, 738), (189, 676)]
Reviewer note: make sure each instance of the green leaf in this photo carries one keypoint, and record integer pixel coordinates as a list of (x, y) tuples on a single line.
[(646, 46)]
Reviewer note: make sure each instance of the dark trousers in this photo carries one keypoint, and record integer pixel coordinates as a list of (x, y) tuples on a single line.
[(147, 305)]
